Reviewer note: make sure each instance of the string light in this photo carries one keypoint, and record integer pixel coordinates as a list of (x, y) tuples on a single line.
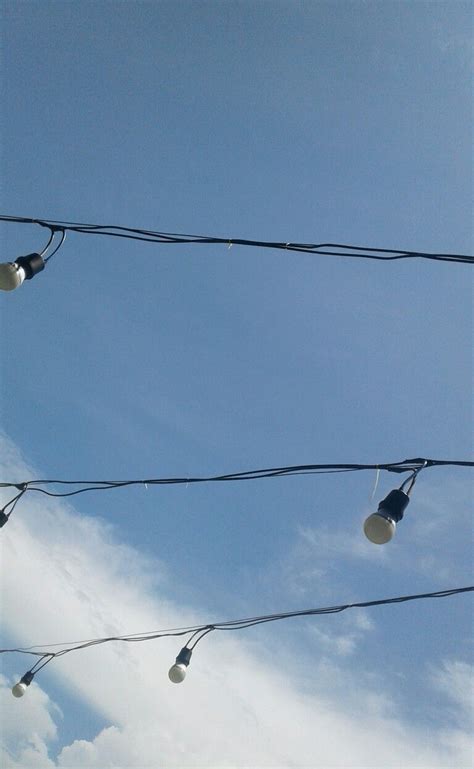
[(380, 527), (20, 688), (13, 274), (178, 670), (414, 466)]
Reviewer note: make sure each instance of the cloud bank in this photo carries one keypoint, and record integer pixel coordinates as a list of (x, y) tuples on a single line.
[(67, 577)]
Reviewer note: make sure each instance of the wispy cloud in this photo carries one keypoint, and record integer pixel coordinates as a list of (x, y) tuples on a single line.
[(439, 511)]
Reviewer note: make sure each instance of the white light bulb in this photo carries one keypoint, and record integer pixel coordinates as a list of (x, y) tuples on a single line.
[(379, 528), (177, 672), (11, 276), (19, 689)]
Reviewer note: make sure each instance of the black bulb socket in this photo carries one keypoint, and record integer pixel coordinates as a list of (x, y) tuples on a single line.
[(27, 678), (3, 518), (184, 657), (394, 504), (31, 263)]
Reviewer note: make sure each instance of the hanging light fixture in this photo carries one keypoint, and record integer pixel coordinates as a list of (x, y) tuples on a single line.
[(177, 672), (13, 274), (380, 526), (20, 688)]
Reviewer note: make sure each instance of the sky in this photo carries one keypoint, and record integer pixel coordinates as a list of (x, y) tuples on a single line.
[(295, 121)]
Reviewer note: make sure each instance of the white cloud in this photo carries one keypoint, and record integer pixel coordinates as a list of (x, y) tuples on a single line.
[(455, 679), (26, 727), (65, 577)]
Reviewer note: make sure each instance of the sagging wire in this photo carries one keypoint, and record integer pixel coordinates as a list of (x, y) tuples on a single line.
[(177, 671), (322, 249), (414, 466)]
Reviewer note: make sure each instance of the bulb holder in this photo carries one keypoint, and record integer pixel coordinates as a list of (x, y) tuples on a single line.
[(394, 505), (184, 657), (31, 264), (13, 274), (3, 518), (177, 672)]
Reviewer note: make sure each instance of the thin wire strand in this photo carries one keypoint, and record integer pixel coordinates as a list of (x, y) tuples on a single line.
[(150, 236), (376, 483)]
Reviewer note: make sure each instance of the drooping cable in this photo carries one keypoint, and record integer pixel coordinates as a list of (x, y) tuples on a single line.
[(322, 249), (413, 466), (198, 632)]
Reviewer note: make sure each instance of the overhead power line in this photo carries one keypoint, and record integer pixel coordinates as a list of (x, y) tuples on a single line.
[(177, 672), (169, 238)]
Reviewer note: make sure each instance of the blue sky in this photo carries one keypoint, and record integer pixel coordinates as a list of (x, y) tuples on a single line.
[(310, 122)]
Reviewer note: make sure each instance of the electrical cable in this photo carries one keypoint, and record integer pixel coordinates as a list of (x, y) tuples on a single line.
[(58, 246), (198, 632), (323, 249), (411, 481), (51, 238), (414, 466)]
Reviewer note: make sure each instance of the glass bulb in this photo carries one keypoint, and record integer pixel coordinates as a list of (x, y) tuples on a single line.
[(19, 689), (379, 528), (11, 276), (177, 672)]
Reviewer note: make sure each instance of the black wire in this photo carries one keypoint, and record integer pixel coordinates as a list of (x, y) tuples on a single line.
[(239, 624), (13, 503), (411, 481), (205, 632), (38, 666), (51, 237), (150, 236), (408, 465), (250, 622), (63, 238)]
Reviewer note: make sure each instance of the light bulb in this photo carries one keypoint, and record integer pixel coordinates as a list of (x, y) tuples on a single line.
[(11, 276), (380, 526), (20, 688), (177, 673)]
